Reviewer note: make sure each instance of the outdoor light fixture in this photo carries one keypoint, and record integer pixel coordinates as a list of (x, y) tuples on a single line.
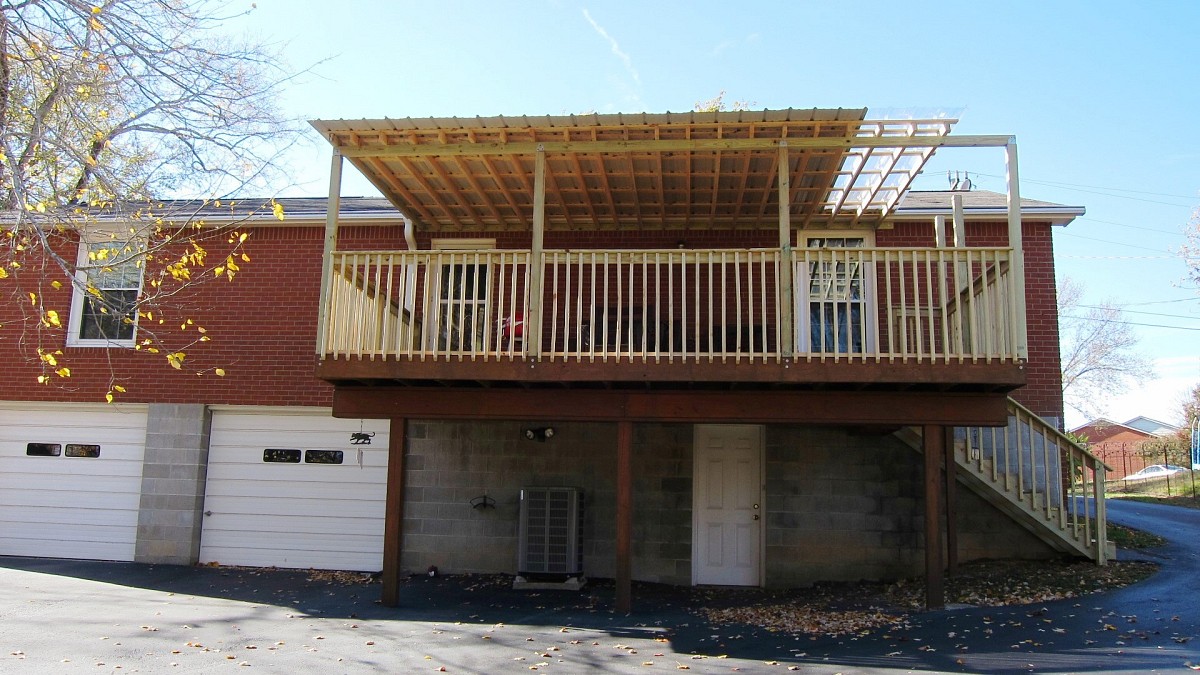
[(539, 434)]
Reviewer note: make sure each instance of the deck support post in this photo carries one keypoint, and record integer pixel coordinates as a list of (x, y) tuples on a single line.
[(533, 328), (1017, 265), (624, 603), (393, 519), (935, 592), (787, 303), (333, 208), (951, 503)]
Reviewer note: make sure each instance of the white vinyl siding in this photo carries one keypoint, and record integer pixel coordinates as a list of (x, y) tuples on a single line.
[(71, 507), (294, 515)]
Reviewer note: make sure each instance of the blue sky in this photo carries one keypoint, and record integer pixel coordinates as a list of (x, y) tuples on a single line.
[(1101, 96)]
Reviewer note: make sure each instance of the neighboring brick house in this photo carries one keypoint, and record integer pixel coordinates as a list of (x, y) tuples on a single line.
[(741, 391), (1122, 445)]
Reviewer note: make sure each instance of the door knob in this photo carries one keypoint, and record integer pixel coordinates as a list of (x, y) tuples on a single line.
[(756, 516)]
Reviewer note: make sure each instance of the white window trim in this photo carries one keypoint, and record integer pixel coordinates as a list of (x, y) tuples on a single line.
[(452, 245), (871, 309), (78, 295)]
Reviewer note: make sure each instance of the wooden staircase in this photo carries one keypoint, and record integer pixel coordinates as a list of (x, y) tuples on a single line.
[(1038, 476)]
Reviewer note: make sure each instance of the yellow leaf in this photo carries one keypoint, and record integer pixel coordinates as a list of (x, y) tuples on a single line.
[(41, 379), (119, 388), (176, 360), (63, 372), (54, 284), (3, 273), (278, 210), (246, 235), (32, 298), (220, 372), (108, 397), (52, 318)]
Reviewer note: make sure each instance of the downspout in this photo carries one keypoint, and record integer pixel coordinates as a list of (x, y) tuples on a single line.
[(410, 239), (410, 270)]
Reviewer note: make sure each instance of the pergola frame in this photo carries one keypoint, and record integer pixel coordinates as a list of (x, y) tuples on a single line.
[(425, 169)]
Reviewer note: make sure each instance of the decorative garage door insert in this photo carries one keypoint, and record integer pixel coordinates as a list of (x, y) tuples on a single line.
[(287, 489)]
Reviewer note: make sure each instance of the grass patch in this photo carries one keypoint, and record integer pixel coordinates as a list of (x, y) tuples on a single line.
[(1186, 501), (1129, 538), (1176, 488)]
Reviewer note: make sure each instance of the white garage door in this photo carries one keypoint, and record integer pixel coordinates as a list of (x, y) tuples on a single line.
[(70, 479), (286, 489)]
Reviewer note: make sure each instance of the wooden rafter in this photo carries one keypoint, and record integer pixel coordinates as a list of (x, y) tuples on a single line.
[(430, 190), (499, 180), (643, 171), (394, 183)]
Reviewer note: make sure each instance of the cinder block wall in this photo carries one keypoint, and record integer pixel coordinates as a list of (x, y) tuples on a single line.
[(450, 463), (839, 506), (174, 472), (845, 507)]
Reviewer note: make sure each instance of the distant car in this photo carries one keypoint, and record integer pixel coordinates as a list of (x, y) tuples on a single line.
[(1155, 471)]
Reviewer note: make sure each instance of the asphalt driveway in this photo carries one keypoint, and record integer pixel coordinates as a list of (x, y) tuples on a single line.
[(71, 616)]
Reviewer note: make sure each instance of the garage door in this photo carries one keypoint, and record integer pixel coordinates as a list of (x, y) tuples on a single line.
[(70, 479), (287, 489)]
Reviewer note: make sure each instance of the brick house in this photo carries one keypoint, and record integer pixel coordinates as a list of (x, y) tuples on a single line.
[(733, 347), (1120, 445)]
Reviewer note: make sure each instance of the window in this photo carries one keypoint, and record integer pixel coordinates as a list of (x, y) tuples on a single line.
[(322, 456), (104, 314), (82, 450), (837, 315), (282, 455), (462, 290), (43, 449)]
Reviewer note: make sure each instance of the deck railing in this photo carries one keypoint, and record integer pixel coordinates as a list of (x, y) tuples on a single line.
[(856, 304), (1044, 471)]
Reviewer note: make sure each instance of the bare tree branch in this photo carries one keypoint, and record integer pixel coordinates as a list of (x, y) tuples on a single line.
[(1099, 352), (105, 109)]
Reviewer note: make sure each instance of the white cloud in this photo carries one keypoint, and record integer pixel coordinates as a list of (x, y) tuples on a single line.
[(620, 54)]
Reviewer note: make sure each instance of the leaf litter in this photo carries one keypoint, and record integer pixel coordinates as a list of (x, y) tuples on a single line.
[(858, 608)]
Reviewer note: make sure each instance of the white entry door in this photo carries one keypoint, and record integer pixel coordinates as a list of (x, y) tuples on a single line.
[(727, 511)]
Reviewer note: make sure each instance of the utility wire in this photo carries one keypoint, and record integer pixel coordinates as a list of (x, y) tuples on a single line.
[(1114, 243), (1118, 257), (1132, 227), (1106, 191), (1134, 311), (1128, 323)]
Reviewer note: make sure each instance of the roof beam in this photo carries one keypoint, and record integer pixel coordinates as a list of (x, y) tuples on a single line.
[(674, 145)]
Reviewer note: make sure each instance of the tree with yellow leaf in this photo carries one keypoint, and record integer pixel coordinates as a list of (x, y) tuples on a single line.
[(106, 108)]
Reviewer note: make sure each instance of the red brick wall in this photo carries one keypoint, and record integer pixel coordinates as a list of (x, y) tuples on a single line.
[(263, 324), (262, 327), (1043, 390)]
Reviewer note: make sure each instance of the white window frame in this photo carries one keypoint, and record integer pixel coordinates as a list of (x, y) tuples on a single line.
[(869, 301), (480, 304), (75, 326)]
